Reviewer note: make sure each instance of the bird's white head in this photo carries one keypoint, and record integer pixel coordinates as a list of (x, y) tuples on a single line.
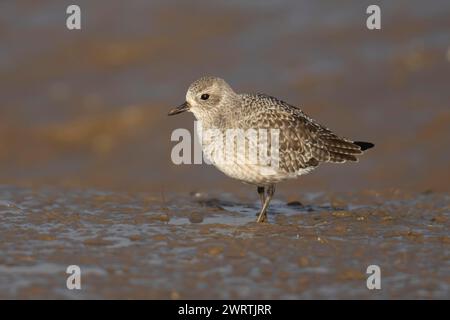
[(207, 97)]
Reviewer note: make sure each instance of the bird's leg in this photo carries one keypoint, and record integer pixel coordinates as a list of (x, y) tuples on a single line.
[(263, 214), (262, 195)]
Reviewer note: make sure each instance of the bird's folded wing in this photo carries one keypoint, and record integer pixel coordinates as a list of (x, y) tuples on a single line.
[(303, 143)]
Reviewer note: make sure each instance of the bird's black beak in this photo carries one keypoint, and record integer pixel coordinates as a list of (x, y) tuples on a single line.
[(181, 108)]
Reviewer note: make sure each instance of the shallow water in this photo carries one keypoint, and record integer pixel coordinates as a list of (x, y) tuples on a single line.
[(89, 108), (138, 245)]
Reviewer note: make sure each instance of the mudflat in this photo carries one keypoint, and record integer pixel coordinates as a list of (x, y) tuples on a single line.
[(139, 245)]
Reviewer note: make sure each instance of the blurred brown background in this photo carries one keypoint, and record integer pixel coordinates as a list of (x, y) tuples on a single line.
[(89, 108)]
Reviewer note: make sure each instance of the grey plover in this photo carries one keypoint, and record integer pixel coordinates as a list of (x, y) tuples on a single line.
[(303, 143)]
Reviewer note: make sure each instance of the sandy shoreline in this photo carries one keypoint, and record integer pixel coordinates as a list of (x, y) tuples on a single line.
[(199, 247)]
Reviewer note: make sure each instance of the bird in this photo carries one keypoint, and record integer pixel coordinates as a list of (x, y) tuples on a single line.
[(302, 144)]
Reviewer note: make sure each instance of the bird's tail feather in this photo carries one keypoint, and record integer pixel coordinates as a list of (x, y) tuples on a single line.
[(364, 145), (342, 151)]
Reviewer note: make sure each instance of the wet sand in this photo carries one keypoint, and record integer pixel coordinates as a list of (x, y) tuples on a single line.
[(198, 246)]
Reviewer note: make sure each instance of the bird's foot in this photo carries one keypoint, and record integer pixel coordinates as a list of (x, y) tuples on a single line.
[(262, 218)]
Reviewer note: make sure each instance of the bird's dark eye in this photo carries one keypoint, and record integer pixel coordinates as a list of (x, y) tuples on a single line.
[(204, 96)]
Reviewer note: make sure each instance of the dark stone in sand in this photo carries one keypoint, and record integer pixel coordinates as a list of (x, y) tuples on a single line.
[(295, 204)]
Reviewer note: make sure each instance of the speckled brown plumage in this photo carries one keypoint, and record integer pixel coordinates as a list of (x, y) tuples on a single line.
[(303, 143)]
